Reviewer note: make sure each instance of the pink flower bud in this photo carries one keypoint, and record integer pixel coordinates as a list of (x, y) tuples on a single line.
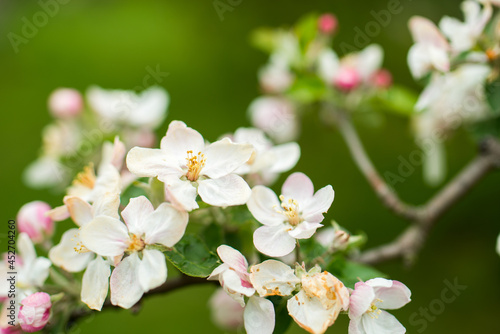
[(11, 330), (65, 103), (347, 78), (34, 312), (226, 312), (327, 23), (381, 79), (31, 219)]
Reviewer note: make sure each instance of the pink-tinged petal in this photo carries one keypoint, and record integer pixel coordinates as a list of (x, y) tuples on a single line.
[(217, 271), (355, 327), (271, 278), (59, 213), (126, 289), (95, 283), (179, 140), (231, 281), (234, 259), (393, 297), (150, 162), (285, 157), (384, 323), (113, 153), (361, 300), (135, 214), (67, 255), (152, 269), (226, 313), (313, 209), (224, 157), (273, 240), (34, 312), (166, 225), (310, 314), (105, 236), (265, 206), (32, 219), (425, 31), (182, 194), (225, 191), (304, 230), (79, 210), (299, 187), (259, 316)]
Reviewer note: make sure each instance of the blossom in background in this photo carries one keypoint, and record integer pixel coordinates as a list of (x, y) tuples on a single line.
[(368, 302), (189, 167), (336, 238), (268, 161), (226, 312), (327, 23), (276, 116), (32, 220), (147, 109), (275, 76), (65, 103), (431, 49), (352, 70), (295, 215), (34, 312), (144, 228)]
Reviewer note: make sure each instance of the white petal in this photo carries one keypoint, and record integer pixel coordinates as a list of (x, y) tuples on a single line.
[(393, 297), (224, 157), (272, 278), (355, 327), (166, 225), (107, 205), (150, 109), (310, 314), (370, 60), (314, 208), (232, 281), (105, 236), (108, 181), (152, 269), (225, 191), (39, 271), (425, 31), (179, 140), (135, 213), (234, 259), (286, 157), (79, 210), (95, 283), (217, 271), (259, 316), (384, 323), (263, 205), (58, 213), (126, 289), (26, 248), (328, 65), (361, 300), (304, 230), (299, 187), (273, 240), (182, 194), (150, 162), (65, 254)]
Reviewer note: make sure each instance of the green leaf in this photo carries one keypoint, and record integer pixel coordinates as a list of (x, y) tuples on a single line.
[(396, 100), (307, 29), (264, 39), (352, 272), (212, 235), (307, 89), (192, 257)]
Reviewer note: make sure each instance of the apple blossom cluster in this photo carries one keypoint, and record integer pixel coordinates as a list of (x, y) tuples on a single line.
[(459, 63)]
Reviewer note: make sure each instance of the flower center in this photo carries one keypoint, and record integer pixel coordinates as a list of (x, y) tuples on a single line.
[(136, 244), (80, 247), (374, 311), (195, 164), (86, 178), (291, 210)]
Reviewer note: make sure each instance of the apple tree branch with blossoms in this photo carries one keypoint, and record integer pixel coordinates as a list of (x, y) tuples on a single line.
[(207, 208)]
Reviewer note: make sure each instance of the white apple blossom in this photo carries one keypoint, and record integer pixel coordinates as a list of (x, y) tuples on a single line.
[(189, 167), (368, 302), (431, 49), (276, 117), (295, 215), (147, 109), (464, 35), (145, 227), (268, 161), (275, 77)]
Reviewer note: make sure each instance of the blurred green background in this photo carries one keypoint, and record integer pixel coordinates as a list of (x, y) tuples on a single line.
[(212, 79)]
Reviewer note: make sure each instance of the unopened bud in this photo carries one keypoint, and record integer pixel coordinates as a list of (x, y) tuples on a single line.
[(347, 78), (381, 79), (327, 23), (32, 220), (34, 312), (65, 103)]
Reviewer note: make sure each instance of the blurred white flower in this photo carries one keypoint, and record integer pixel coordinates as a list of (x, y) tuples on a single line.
[(226, 312), (65, 103)]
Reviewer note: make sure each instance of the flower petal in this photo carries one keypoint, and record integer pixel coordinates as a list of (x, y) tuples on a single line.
[(361, 300), (182, 194), (259, 316), (299, 187), (314, 208), (166, 225), (384, 323), (393, 297), (234, 259), (263, 205), (271, 278), (304, 230), (224, 157), (126, 289), (152, 269), (107, 205), (225, 191), (135, 214), (232, 281), (285, 157), (150, 162), (179, 140), (273, 240), (79, 210), (309, 313), (95, 283), (66, 255), (105, 236)]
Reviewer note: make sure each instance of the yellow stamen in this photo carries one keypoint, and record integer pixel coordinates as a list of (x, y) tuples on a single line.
[(195, 164), (86, 177), (136, 244), (374, 311), (291, 210)]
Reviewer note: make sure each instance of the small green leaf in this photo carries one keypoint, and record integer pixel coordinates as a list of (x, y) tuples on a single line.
[(264, 39), (307, 89), (192, 257), (307, 29), (397, 100), (212, 235)]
